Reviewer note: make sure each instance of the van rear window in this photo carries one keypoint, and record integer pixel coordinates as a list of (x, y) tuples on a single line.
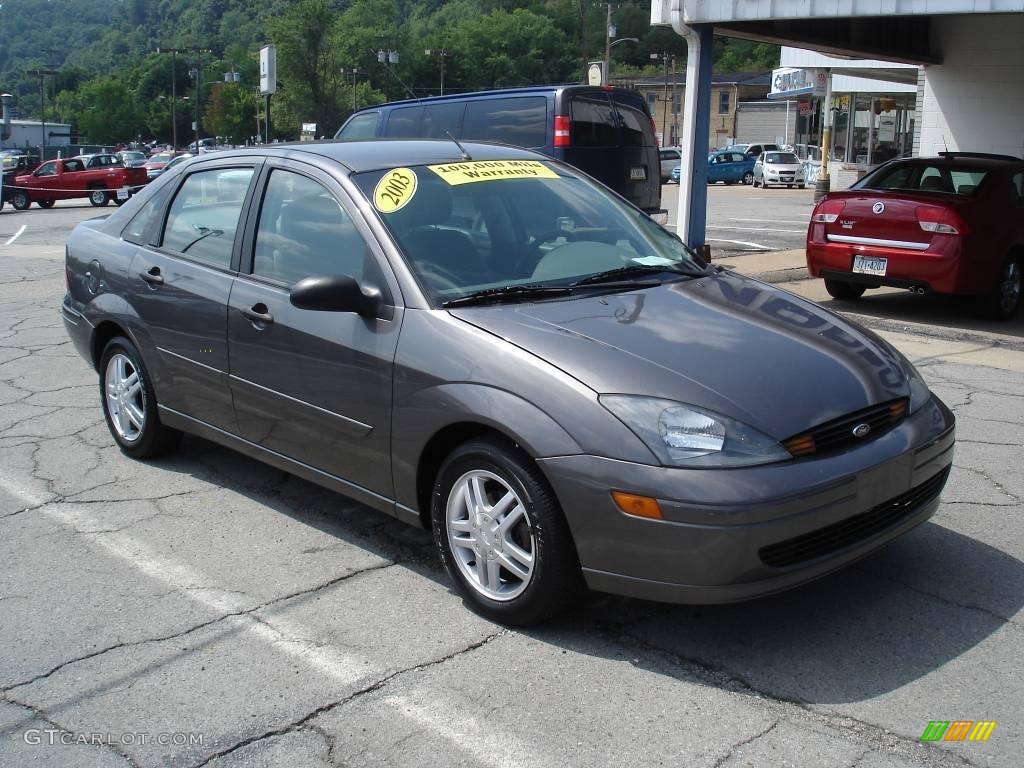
[(637, 128), (592, 122), (521, 121)]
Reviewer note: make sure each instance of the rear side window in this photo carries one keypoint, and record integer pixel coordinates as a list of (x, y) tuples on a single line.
[(520, 121), (203, 218), (637, 128), (921, 177), (441, 119), (135, 232), (404, 122), (360, 127), (592, 122)]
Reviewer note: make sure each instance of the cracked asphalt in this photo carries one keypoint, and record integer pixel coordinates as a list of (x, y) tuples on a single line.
[(274, 623)]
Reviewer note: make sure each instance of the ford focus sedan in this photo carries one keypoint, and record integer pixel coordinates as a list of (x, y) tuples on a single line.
[(485, 342)]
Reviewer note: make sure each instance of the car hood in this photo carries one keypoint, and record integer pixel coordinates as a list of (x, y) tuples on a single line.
[(721, 342)]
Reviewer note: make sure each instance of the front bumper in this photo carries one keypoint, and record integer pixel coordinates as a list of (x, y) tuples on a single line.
[(723, 527)]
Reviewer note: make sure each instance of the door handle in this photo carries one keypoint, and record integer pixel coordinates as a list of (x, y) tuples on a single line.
[(153, 276), (258, 313)]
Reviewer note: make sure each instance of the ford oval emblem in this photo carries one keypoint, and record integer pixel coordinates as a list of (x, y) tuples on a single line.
[(878, 207), (861, 430)]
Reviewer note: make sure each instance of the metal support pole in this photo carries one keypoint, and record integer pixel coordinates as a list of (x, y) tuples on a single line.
[(42, 116), (822, 186), (443, 54), (664, 113), (266, 115), (691, 214), (608, 44), (174, 98)]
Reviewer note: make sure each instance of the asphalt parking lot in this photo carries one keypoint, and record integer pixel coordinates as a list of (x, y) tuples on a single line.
[(206, 610)]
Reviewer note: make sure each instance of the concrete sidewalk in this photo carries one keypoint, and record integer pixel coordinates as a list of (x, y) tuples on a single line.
[(768, 266)]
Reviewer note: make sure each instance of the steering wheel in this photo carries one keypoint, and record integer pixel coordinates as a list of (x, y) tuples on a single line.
[(439, 278)]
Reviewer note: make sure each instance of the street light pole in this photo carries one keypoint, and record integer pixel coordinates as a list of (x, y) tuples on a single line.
[(442, 54), (42, 105)]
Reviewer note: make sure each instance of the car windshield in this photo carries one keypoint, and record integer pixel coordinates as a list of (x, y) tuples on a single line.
[(132, 156), (781, 158), (163, 157), (477, 226), (941, 178)]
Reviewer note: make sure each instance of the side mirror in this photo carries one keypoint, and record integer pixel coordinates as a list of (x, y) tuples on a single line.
[(338, 293)]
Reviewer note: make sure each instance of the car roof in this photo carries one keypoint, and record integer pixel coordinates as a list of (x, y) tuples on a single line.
[(522, 91), (376, 154)]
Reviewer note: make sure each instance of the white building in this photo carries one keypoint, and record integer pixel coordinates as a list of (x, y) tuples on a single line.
[(29, 133)]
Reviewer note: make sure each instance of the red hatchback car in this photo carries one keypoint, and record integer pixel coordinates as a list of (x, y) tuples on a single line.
[(949, 224)]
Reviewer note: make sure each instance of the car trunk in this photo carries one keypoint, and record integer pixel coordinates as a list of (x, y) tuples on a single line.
[(892, 216)]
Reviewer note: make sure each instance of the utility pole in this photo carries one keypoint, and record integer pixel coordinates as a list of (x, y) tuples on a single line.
[(355, 72), (174, 88), (583, 38), (609, 33), (675, 112), (664, 56), (442, 54), (42, 73)]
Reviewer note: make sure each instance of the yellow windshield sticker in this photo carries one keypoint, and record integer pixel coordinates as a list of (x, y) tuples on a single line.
[(489, 170), (394, 190)]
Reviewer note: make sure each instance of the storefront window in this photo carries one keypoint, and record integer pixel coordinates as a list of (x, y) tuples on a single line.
[(841, 126)]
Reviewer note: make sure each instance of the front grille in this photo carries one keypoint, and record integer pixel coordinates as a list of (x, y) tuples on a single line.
[(853, 529), (839, 433)]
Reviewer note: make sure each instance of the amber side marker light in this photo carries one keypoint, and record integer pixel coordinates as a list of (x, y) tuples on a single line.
[(801, 445), (637, 506)]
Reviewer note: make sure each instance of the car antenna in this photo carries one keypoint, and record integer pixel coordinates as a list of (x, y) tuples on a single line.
[(462, 149)]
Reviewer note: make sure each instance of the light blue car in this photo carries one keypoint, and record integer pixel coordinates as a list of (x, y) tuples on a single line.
[(726, 165)]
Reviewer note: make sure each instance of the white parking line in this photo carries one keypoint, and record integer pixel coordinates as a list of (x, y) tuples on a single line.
[(487, 743), (759, 229), (16, 235), (770, 221), (738, 242)]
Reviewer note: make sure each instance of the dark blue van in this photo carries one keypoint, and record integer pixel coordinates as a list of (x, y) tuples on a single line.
[(605, 132)]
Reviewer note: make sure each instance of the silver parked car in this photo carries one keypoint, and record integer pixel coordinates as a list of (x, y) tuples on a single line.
[(482, 341), (780, 169)]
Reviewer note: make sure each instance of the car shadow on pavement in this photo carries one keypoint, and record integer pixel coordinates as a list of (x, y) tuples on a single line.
[(917, 604), (894, 617), (956, 313)]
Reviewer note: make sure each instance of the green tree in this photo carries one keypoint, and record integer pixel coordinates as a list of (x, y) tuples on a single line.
[(104, 110), (231, 112)]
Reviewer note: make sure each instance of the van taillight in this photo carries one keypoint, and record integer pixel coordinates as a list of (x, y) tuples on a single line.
[(828, 211), (561, 130), (934, 218)]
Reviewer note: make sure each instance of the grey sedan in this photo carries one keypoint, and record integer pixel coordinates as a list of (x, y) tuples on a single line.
[(485, 342)]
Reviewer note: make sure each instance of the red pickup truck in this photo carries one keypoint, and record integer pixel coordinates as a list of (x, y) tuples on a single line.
[(101, 178)]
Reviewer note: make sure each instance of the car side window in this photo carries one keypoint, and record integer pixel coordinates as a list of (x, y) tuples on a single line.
[(135, 232), (404, 122), (360, 127), (203, 218), (1017, 185), (520, 120), (73, 166), (303, 231), (47, 169)]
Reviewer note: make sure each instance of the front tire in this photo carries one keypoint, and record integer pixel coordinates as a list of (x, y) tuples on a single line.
[(47, 203), (129, 403), (1005, 300), (20, 201), (501, 535), (843, 291), (99, 197), (748, 177)]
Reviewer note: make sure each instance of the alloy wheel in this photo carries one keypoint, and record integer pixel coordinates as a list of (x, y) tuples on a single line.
[(126, 404), (491, 535)]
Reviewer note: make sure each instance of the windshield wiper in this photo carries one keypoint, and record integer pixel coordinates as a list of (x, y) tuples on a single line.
[(507, 292), (615, 275)]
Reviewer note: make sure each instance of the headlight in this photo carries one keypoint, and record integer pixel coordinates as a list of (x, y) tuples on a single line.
[(685, 436)]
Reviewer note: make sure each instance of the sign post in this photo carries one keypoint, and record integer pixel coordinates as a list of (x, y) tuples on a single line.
[(268, 80)]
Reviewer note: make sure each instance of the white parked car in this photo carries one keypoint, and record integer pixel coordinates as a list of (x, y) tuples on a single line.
[(779, 169), (669, 158)]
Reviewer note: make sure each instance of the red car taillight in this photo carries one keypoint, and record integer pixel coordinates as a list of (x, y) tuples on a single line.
[(561, 130), (940, 220), (827, 211)]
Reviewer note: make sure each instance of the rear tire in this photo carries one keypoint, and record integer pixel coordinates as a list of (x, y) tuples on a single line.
[(844, 291), (129, 403), (20, 201), (47, 203), (99, 197), (494, 499), (748, 177), (1005, 300)]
